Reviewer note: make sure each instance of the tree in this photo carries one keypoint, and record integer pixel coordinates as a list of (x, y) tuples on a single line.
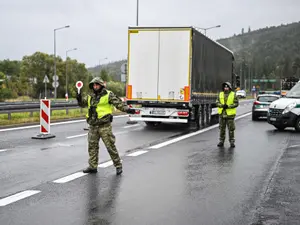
[(5, 93), (104, 75)]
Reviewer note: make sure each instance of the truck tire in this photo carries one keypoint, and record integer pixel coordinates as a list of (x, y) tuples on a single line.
[(207, 115), (214, 120), (297, 125)]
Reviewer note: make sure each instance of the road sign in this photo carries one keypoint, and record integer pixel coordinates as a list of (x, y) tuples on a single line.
[(123, 77), (79, 85), (124, 68), (55, 78), (46, 79), (55, 84)]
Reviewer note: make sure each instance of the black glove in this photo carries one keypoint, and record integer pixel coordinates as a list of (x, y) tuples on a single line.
[(130, 111), (225, 106), (78, 97)]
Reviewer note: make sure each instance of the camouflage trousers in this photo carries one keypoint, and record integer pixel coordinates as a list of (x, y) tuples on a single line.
[(229, 122), (105, 133)]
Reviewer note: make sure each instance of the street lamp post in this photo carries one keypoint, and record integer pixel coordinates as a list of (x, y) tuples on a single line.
[(55, 89), (208, 28), (73, 49)]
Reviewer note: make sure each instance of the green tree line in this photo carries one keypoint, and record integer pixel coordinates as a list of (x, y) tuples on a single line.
[(268, 53), (25, 77)]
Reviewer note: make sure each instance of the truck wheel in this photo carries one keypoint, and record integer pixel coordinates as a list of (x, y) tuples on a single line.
[(152, 124), (280, 128), (214, 120), (297, 125)]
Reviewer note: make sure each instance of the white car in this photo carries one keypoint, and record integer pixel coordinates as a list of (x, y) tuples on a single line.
[(241, 94), (285, 112)]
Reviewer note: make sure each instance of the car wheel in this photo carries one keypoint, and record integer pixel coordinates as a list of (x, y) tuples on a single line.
[(280, 128), (254, 117), (297, 125)]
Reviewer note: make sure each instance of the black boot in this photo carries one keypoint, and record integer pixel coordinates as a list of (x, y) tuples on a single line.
[(119, 170), (221, 144), (90, 170)]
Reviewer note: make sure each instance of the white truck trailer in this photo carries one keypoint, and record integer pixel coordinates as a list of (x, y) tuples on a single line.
[(174, 75)]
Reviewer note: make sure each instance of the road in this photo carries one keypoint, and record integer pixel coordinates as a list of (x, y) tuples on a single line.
[(169, 177)]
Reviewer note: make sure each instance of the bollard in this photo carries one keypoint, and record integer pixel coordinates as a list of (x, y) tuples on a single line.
[(45, 114)]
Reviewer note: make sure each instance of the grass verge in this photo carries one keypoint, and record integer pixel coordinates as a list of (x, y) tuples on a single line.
[(34, 117)]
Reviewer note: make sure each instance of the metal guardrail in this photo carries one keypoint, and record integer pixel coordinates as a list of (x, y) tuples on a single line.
[(35, 107)]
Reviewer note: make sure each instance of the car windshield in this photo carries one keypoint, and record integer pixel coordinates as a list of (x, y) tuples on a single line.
[(294, 92), (267, 98)]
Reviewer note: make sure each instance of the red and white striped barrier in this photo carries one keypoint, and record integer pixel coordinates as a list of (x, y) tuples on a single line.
[(45, 113), (45, 116)]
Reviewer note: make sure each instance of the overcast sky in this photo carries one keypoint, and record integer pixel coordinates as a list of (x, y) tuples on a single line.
[(99, 27)]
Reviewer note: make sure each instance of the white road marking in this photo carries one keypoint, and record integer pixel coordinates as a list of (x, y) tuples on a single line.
[(106, 164), (17, 197), (129, 126), (4, 150), (163, 144), (117, 133), (294, 146), (75, 136), (137, 153), (70, 177), (52, 124)]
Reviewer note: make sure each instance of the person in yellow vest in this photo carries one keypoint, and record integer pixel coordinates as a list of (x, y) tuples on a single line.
[(100, 106), (227, 102)]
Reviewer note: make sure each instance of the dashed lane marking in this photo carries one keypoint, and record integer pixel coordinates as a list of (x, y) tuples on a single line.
[(70, 177), (163, 144), (4, 150), (137, 153), (116, 133), (75, 136), (16, 197), (129, 126), (106, 164)]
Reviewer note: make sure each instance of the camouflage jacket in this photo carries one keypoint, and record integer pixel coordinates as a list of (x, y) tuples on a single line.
[(234, 105), (95, 98)]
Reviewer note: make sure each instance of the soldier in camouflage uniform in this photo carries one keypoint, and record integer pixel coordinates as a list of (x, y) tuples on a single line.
[(227, 102), (99, 117)]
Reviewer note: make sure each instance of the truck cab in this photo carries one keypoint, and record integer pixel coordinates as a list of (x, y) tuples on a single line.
[(285, 112)]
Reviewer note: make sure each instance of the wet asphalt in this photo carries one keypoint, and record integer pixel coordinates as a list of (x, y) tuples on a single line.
[(188, 182)]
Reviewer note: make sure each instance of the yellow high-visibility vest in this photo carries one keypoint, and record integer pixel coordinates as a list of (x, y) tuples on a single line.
[(230, 101), (103, 107)]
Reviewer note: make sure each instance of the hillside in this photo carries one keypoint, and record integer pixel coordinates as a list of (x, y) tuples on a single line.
[(270, 52), (112, 68)]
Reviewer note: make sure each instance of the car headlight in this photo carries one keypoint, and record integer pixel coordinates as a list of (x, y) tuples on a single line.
[(289, 107)]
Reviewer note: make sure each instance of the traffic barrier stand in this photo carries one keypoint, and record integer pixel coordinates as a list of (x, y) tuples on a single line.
[(131, 122), (44, 120)]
